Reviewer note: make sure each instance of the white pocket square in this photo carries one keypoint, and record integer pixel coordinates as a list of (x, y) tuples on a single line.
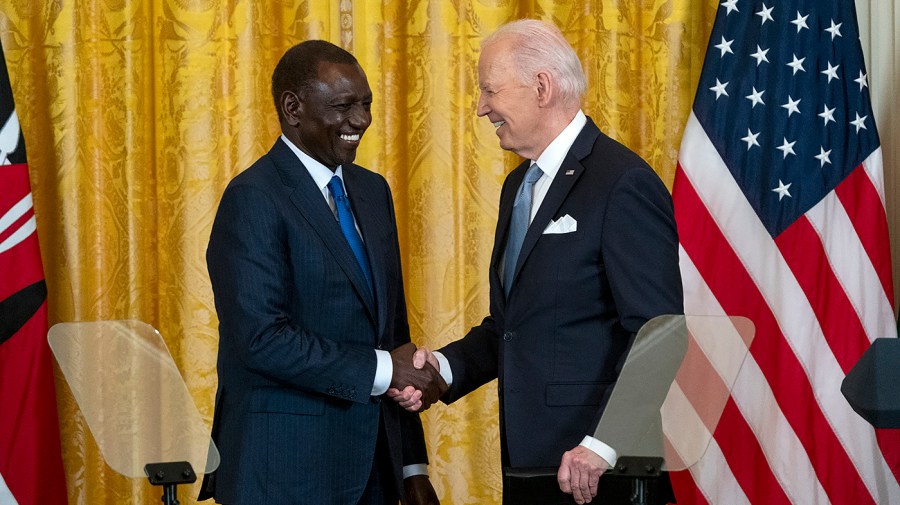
[(565, 224)]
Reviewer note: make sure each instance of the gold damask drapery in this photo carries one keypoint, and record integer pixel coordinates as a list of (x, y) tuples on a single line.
[(137, 113)]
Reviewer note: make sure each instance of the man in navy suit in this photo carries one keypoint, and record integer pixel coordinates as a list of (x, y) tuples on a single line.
[(585, 252), (305, 268)]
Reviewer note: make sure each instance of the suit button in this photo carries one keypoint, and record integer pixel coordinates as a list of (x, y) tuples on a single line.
[(508, 336)]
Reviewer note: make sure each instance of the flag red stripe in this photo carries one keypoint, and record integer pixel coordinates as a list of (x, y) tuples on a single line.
[(802, 250), (746, 458), (5, 234), (739, 295), (15, 183), (863, 204), (686, 490), (757, 480), (889, 443), (804, 253)]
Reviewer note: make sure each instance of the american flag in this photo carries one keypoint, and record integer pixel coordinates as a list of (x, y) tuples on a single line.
[(779, 198)]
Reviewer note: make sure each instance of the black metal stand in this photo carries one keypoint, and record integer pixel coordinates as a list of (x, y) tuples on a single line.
[(633, 481), (642, 471), (169, 475)]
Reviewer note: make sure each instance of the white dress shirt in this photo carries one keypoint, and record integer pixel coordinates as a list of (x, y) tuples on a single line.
[(321, 176)]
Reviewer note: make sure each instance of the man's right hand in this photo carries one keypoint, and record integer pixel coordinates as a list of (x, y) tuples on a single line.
[(422, 384), (409, 397)]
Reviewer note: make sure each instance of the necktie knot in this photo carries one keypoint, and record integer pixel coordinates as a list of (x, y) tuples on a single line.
[(533, 174), (336, 187)]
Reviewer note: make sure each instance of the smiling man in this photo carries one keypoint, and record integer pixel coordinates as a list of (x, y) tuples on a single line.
[(585, 252), (305, 269)]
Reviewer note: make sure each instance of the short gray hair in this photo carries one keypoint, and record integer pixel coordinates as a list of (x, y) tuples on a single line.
[(541, 47)]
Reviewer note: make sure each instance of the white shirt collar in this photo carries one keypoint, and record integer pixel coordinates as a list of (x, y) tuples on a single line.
[(551, 159), (319, 172)]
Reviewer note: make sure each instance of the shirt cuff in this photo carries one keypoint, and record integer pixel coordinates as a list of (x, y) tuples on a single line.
[(445, 372), (604, 451), (384, 370), (410, 470)]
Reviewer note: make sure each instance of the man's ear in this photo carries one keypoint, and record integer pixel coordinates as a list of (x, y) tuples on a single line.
[(291, 107), (544, 88)]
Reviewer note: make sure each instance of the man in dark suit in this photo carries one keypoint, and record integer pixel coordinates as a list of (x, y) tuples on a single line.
[(305, 268), (569, 291)]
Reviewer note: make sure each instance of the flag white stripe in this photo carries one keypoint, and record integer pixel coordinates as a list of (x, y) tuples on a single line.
[(873, 165), (742, 229), (711, 473), (24, 231), (852, 266), (724, 350), (9, 137), (6, 497), (15, 212), (718, 483), (9, 217), (754, 398), (683, 428)]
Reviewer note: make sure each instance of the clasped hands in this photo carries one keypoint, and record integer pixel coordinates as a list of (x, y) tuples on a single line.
[(416, 382)]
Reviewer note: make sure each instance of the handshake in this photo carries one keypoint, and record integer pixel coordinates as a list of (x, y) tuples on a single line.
[(416, 382)]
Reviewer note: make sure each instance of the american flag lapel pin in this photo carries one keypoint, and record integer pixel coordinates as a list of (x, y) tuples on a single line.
[(570, 172)]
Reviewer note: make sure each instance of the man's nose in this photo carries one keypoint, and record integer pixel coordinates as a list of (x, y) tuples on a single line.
[(482, 108), (360, 117)]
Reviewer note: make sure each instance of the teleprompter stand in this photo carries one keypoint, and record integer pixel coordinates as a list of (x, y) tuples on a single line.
[(169, 475), (661, 414), (134, 401), (644, 473)]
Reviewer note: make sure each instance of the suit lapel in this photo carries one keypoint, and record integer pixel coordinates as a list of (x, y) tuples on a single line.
[(559, 189), (312, 206), (369, 216)]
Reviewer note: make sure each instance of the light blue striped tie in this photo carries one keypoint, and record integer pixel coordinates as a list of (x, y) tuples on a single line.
[(518, 225)]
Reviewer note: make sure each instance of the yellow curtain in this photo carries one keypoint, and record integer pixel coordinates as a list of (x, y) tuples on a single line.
[(136, 114)]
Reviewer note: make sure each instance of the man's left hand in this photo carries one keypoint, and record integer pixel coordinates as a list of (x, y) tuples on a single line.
[(579, 472), (419, 490)]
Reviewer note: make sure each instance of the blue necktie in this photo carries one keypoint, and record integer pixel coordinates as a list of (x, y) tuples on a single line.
[(518, 225), (345, 218)]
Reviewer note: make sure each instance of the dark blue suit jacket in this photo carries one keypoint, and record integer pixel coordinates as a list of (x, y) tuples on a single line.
[(294, 420), (558, 342)]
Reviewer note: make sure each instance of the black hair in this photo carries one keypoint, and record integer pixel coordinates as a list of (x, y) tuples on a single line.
[(299, 67)]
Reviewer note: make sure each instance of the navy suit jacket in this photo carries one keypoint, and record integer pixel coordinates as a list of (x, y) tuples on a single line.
[(294, 419), (558, 341)]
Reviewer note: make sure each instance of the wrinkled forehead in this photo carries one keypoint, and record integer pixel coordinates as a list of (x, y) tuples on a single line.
[(495, 64)]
